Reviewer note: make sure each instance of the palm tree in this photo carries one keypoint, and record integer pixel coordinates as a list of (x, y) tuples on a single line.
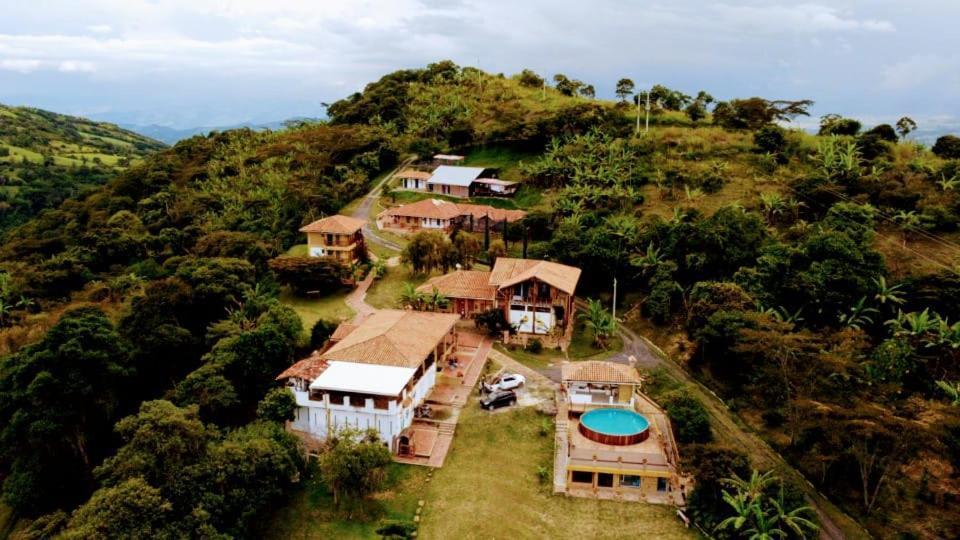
[(908, 221), (754, 486), (436, 300), (795, 519), (410, 297), (859, 315), (952, 389), (948, 184), (887, 293), (743, 509), (773, 205), (647, 260), (599, 321)]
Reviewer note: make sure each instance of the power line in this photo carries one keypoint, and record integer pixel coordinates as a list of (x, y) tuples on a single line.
[(941, 264)]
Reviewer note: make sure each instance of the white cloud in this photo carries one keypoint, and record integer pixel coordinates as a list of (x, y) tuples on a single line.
[(72, 66), (100, 28), (920, 70), (800, 18), (21, 65)]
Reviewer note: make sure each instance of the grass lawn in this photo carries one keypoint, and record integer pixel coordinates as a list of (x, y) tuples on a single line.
[(489, 488), (581, 348), (385, 292), (311, 513), (331, 307), (505, 158)]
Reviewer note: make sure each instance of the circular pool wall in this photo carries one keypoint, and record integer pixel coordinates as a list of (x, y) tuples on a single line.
[(618, 427)]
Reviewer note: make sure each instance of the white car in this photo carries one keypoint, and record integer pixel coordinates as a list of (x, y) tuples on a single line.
[(507, 381)]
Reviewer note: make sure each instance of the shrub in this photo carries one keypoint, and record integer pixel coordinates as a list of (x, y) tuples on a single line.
[(397, 530), (534, 346), (543, 474), (947, 147), (771, 139), (493, 321), (309, 273), (688, 416), (321, 332)]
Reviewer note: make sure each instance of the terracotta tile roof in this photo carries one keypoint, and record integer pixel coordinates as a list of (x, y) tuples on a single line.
[(496, 214), (427, 208), (335, 224), (507, 272), (342, 331), (441, 209), (462, 284), (413, 173), (308, 369), (393, 338), (600, 372)]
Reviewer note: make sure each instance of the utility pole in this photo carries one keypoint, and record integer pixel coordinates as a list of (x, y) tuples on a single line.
[(646, 127), (543, 92), (637, 131), (614, 299)]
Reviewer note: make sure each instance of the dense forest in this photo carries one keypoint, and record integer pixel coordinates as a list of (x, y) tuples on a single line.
[(810, 280), (46, 158)]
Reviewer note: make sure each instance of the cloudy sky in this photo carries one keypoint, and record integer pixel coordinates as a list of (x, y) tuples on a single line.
[(185, 63)]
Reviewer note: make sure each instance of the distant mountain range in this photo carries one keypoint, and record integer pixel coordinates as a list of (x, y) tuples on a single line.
[(171, 135)]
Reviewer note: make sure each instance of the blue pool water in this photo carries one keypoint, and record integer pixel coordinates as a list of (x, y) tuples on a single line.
[(614, 421)]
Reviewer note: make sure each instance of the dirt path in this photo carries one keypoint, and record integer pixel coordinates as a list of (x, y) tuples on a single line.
[(362, 211), (357, 300)]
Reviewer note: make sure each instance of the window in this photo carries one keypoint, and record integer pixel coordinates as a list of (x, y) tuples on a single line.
[(336, 398), (543, 291), (381, 402), (604, 480), (582, 477), (629, 480), (661, 484)]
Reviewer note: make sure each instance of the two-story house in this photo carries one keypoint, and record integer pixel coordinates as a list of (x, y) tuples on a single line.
[(339, 237), (537, 297), (374, 375)]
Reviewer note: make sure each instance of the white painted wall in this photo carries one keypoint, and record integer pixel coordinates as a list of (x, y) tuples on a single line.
[(318, 419)]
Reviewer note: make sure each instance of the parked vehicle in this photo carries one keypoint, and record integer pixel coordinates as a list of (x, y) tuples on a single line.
[(507, 381), (501, 398)]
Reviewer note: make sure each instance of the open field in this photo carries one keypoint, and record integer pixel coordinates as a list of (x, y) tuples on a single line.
[(488, 488), (331, 307), (384, 293)]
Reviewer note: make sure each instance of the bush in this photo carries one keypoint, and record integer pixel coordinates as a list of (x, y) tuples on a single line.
[(278, 405), (947, 147), (493, 321), (688, 416), (309, 273), (771, 139), (534, 346), (397, 530), (321, 332)]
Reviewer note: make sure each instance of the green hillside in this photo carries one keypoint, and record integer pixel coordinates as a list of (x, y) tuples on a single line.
[(808, 281), (47, 157)]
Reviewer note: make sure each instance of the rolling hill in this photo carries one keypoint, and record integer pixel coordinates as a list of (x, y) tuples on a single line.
[(47, 157)]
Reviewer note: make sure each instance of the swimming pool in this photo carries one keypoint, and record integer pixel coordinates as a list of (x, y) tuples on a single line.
[(617, 427)]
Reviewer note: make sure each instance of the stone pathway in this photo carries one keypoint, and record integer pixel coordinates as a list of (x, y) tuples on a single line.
[(356, 300)]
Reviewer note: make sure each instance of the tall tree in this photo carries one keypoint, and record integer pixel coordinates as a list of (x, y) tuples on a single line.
[(624, 89), (58, 400)]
